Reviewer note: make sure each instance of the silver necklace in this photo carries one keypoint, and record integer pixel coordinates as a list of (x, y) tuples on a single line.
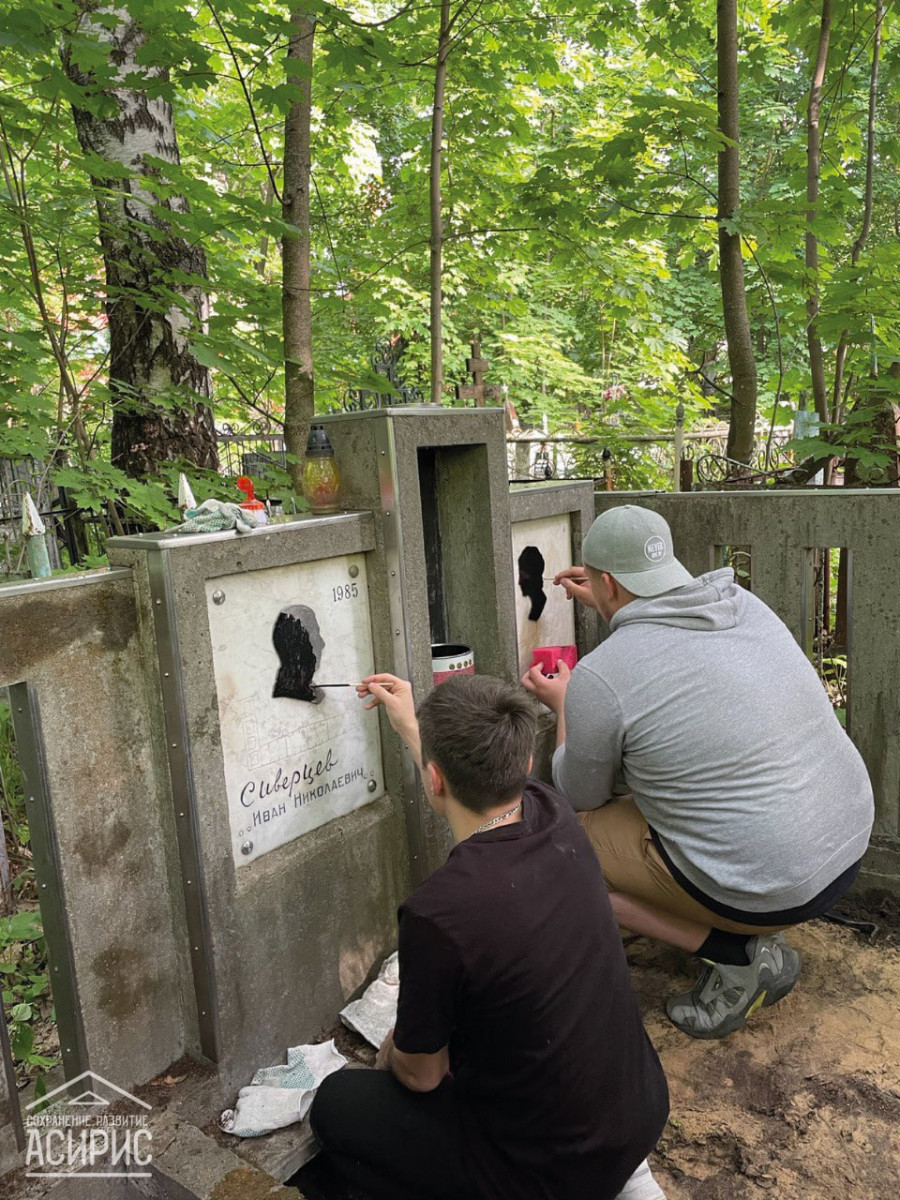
[(497, 820)]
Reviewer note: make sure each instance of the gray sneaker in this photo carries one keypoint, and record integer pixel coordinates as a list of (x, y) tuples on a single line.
[(725, 996)]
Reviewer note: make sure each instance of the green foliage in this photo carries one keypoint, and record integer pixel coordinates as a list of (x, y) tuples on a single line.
[(25, 986), (579, 204)]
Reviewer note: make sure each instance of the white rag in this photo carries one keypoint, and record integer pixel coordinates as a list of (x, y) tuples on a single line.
[(374, 1014), (642, 1186), (279, 1096)]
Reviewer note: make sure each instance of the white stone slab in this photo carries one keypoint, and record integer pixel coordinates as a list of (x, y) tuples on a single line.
[(292, 764), (552, 538)]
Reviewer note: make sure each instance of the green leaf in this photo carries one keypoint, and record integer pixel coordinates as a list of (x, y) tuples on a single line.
[(20, 927), (22, 1041)]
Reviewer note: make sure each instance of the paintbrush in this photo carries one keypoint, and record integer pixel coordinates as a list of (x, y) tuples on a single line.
[(386, 686)]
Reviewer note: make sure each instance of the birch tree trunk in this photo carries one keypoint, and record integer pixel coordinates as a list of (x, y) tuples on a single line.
[(296, 307), (437, 227), (159, 390), (731, 263), (813, 171)]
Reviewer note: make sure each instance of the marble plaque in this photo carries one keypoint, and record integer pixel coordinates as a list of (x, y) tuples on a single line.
[(544, 614), (296, 754)]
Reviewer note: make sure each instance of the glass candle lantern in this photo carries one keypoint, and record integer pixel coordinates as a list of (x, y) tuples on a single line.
[(321, 477)]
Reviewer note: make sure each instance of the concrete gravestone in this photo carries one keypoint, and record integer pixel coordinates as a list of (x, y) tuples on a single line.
[(296, 754)]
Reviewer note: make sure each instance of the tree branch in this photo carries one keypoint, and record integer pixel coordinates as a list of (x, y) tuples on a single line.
[(247, 96)]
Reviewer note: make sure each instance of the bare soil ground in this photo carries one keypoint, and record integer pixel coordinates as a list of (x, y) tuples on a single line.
[(803, 1104)]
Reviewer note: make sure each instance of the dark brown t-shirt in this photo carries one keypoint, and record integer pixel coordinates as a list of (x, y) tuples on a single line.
[(510, 954)]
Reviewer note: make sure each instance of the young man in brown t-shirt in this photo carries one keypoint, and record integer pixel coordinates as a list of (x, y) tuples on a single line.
[(519, 1066)]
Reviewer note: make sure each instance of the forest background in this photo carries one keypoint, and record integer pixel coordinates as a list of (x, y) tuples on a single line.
[(211, 213)]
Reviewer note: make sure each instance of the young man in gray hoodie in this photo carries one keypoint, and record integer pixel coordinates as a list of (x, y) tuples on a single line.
[(749, 809)]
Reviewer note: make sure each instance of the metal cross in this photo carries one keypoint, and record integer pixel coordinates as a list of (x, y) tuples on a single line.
[(479, 391)]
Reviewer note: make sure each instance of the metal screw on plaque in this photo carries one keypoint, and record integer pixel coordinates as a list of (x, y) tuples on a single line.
[(218, 596), (372, 785), (354, 571), (247, 848)]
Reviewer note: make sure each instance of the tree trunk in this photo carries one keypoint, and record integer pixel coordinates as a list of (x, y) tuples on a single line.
[(159, 390), (437, 228), (296, 306), (731, 263), (813, 169), (859, 244)]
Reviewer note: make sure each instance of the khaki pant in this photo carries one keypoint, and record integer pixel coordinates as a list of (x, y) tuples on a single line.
[(632, 865)]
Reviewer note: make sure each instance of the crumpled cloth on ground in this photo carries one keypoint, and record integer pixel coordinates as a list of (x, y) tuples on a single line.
[(642, 1186), (214, 516), (374, 1014), (279, 1096)]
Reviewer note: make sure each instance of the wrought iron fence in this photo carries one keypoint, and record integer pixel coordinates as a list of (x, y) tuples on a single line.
[(74, 535), (625, 461), (385, 363), (616, 459), (259, 455)]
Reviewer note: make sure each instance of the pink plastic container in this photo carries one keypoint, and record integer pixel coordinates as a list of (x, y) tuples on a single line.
[(449, 658), (546, 657)]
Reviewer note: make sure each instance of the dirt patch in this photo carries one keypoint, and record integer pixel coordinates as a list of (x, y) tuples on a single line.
[(246, 1184), (169, 1086), (351, 1044), (805, 1102), (877, 908)]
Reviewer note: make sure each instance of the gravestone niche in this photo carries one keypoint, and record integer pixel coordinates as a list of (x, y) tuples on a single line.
[(296, 754), (544, 615)]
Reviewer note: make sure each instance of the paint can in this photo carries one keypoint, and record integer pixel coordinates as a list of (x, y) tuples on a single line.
[(449, 658)]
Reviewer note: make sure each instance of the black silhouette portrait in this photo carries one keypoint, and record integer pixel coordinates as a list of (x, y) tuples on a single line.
[(299, 645), (531, 580)]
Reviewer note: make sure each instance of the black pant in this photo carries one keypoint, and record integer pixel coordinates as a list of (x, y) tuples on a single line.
[(389, 1142)]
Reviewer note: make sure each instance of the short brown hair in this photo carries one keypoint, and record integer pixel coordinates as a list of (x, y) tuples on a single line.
[(480, 731)]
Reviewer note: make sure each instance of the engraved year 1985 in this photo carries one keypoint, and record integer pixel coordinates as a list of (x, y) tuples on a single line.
[(344, 591)]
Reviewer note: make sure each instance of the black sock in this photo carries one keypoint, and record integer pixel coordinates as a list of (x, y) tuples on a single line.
[(728, 948)]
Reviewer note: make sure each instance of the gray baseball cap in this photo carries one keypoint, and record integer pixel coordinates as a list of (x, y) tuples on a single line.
[(634, 545)]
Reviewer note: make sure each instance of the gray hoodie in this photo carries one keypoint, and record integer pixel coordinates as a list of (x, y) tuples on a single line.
[(726, 738)]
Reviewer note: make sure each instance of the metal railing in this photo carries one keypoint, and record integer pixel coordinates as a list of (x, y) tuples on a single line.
[(624, 461)]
